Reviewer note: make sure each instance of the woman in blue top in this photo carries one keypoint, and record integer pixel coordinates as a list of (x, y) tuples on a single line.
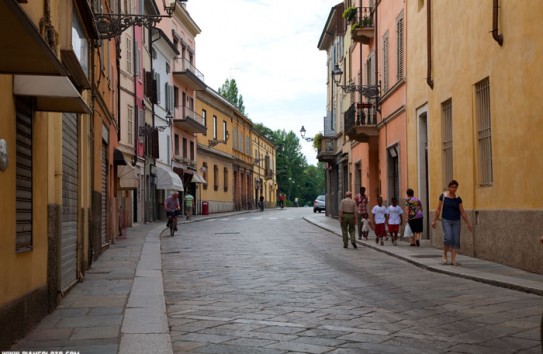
[(452, 211)]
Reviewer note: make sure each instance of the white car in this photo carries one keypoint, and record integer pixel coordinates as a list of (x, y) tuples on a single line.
[(319, 204)]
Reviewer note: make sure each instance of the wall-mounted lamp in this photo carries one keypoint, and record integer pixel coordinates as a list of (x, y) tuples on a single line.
[(368, 91), (149, 129), (112, 25), (302, 134), (213, 142)]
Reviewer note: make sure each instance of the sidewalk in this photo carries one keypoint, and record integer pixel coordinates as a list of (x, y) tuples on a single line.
[(429, 258), (119, 307)]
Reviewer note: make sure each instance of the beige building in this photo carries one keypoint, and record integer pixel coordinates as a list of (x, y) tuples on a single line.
[(237, 163), (474, 114)]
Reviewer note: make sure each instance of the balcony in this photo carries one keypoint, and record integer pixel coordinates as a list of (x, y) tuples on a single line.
[(362, 26), (327, 151), (186, 119), (188, 74), (360, 125)]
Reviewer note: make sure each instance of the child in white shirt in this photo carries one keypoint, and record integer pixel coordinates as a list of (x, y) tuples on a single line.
[(394, 219), (380, 215)]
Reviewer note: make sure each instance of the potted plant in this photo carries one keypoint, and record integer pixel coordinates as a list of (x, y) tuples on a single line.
[(349, 14), (317, 141)]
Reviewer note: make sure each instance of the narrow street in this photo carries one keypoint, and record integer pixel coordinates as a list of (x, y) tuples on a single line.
[(273, 283)]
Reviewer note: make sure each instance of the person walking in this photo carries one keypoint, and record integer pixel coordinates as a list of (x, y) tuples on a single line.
[(348, 219), (452, 210), (261, 204), (414, 216), (394, 219), (189, 200), (362, 202), (281, 200), (380, 218)]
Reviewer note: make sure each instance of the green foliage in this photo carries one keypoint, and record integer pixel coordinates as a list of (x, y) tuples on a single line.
[(317, 140), (349, 13), (229, 90)]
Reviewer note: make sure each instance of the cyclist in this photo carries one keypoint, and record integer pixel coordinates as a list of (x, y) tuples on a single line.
[(172, 207)]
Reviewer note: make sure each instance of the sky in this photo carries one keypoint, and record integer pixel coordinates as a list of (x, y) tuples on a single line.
[(270, 48)]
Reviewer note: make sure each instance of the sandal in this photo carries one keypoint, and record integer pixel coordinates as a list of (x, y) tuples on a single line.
[(444, 261), (455, 264)]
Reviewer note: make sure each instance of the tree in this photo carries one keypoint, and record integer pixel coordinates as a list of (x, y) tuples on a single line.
[(229, 90)]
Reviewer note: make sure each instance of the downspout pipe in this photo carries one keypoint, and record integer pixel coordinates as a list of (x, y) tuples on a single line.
[(498, 37), (429, 79)]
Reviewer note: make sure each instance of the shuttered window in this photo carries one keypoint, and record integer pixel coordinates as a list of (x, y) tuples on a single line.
[(385, 62), (447, 138), (215, 177), (484, 132), (399, 48), (23, 185)]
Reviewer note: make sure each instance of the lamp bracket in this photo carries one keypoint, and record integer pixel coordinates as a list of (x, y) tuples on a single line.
[(112, 25), (214, 142), (368, 91)]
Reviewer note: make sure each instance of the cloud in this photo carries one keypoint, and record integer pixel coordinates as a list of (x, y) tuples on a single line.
[(270, 48)]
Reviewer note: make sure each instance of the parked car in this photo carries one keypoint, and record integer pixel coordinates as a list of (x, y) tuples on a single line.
[(319, 204)]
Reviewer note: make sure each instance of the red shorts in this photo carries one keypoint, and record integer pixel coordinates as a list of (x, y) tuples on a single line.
[(393, 228), (380, 230)]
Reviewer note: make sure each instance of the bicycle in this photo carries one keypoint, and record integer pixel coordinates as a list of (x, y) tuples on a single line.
[(171, 220)]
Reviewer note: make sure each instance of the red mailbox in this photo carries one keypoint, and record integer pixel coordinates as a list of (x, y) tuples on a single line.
[(205, 208)]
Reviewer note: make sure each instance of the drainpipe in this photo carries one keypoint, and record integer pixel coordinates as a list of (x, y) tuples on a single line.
[(498, 37), (376, 39), (429, 80)]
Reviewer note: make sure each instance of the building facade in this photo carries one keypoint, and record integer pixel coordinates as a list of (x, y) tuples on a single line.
[(467, 121)]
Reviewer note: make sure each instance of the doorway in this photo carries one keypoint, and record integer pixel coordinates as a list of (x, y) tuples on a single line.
[(422, 157)]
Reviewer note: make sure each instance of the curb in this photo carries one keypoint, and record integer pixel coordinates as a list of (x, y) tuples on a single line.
[(493, 282)]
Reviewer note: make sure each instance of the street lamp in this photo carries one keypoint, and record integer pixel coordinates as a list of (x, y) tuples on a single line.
[(368, 91), (112, 25), (302, 134)]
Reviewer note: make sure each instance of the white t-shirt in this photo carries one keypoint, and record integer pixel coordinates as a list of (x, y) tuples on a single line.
[(394, 213), (379, 213)]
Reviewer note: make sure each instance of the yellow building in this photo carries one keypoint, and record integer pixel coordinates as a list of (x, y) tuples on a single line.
[(264, 181), (45, 157), (474, 99)]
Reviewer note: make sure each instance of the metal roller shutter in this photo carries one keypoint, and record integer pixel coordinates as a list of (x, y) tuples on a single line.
[(104, 195), (69, 201)]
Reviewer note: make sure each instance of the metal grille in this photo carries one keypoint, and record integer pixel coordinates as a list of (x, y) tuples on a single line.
[(103, 221), (484, 132), (23, 186), (447, 138)]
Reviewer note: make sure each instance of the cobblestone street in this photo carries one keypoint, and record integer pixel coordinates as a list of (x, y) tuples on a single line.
[(272, 283)]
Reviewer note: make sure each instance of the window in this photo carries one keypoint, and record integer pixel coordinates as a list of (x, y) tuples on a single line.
[(130, 128), (484, 132), (385, 62), (138, 60), (399, 48), (23, 177), (216, 177), (204, 119), (192, 151), (225, 176), (446, 136), (205, 174), (224, 130), (185, 155), (129, 55), (158, 93), (214, 127), (176, 145)]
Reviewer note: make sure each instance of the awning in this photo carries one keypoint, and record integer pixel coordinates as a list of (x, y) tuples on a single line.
[(196, 178), (128, 178), (167, 179), (53, 93), (118, 158)]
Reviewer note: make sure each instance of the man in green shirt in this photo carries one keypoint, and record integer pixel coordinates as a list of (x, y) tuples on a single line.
[(189, 199)]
